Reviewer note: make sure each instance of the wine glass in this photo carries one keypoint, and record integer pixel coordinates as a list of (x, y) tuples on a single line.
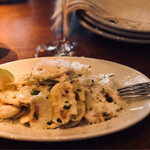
[(62, 47)]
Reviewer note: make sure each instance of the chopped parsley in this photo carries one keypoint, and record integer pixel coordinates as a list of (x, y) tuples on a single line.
[(105, 114), (59, 120), (78, 90), (108, 98), (49, 123), (67, 92), (35, 92), (67, 107)]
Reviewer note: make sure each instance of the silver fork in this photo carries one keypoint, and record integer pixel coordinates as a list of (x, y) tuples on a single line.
[(140, 90)]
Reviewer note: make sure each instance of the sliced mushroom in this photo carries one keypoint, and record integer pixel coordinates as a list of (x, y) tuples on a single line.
[(63, 102), (50, 69), (43, 112)]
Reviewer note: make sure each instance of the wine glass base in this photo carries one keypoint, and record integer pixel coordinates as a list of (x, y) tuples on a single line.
[(60, 48)]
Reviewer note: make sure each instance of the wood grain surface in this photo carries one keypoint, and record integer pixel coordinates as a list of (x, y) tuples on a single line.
[(26, 24)]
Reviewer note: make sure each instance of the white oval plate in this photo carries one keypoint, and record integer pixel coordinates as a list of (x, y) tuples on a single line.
[(113, 30), (135, 112), (127, 15), (111, 35)]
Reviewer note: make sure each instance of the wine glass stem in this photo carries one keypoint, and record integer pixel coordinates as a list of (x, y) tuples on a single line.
[(64, 19)]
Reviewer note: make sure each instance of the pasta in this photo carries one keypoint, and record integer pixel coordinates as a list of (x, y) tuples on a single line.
[(60, 94)]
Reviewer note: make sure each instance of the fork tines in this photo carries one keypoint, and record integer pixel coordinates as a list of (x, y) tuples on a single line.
[(141, 89)]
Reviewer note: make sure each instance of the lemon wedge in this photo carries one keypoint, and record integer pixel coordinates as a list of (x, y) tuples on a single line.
[(6, 77)]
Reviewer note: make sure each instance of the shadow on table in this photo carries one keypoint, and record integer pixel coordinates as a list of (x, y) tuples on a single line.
[(6, 55), (5, 2)]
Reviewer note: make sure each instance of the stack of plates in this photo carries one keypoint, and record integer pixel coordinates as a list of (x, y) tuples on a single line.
[(125, 20)]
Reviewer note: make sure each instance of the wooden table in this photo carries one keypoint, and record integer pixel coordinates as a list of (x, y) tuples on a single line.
[(25, 25)]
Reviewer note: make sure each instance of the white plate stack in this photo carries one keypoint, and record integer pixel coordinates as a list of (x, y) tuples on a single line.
[(123, 20)]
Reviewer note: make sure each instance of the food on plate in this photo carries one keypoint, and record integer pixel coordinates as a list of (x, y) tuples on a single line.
[(60, 94)]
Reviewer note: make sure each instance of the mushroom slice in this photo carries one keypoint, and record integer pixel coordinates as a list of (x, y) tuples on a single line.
[(8, 111), (50, 69), (76, 119), (43, 112), (63, 102), (80, 111)]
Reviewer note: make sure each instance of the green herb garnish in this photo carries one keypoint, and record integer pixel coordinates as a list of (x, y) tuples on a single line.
[(59, 120), (108, 98), (78, 90), (49, 123), (67, 107), (105, 114), (67, 92), (35, 92)]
